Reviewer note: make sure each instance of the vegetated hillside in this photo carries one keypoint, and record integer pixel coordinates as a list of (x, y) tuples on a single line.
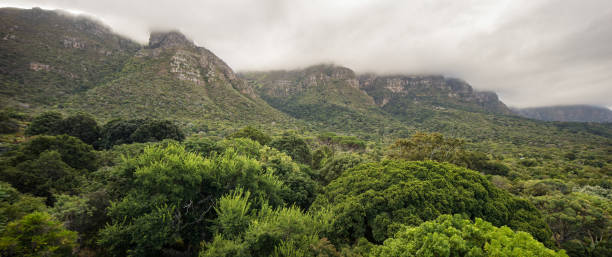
[(52, 60), (172, 77), (326, 96), (576, 113), (46, 56)]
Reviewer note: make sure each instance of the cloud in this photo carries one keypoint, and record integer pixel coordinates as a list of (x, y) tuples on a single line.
[(532, 52)]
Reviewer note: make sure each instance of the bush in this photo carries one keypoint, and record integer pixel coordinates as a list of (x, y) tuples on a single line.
[(37, 234), (374, 199), (47, 123), (253, 134), (455, 236), (295, 147)]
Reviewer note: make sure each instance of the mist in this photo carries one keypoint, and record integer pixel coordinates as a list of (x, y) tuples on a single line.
[(531, 52)]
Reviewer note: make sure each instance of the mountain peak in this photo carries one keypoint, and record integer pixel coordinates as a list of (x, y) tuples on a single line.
[(171, 38)]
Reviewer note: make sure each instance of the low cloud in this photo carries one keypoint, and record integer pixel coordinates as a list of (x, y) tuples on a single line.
[(532, 52)]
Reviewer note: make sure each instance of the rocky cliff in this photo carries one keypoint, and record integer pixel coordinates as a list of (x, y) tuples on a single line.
[(432, 91)]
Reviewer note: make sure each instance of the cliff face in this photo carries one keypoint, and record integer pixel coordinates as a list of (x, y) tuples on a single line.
[(433, 91), (575, 113), (324, 84), (174, 77)]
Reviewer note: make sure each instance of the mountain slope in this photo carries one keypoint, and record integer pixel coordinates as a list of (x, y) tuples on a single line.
[(327, 96), (434, 92), (173, 77), (577, 113), (46, 55)]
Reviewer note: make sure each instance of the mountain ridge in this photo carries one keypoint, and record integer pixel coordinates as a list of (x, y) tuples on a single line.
[(567, 113)]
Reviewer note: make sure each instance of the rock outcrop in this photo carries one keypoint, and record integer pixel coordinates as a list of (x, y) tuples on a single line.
[(436, 91)]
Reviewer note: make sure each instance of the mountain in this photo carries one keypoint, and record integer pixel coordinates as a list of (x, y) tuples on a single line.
[(576, 113), (435, 92), (57, 61), (326, 95), (172, 77), (46, 56)]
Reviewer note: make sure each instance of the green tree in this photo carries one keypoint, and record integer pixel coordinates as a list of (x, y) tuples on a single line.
[(253, 134), (37, 234), (14, 205), (295, 147), (427, 146), (72, 150), (47, 123), (168, 194), (81, 126), (157, 130), (580, 223), (338, 164), (374, 199), (455, 236), (263, 231)]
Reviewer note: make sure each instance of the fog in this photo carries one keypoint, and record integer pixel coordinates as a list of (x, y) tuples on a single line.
[(531, 52)]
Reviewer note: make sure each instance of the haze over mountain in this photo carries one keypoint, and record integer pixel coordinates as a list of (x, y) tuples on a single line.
[(578, 113), (532, 53)]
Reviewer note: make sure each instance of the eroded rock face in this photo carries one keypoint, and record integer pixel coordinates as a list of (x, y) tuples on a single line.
[(190, 62), (429, 89)]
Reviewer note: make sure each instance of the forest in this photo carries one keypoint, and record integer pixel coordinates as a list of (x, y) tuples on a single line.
[(111, 147), (142, 187)]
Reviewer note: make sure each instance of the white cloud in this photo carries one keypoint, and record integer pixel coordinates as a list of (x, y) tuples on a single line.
[(532, 52)]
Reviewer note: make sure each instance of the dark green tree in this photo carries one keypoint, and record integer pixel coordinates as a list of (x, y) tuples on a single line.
[(295, 147), (81, 126), (47, 123), (253, 134), (157, 130)]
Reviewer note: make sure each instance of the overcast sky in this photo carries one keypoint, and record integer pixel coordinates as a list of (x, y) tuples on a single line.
[(531, 52)]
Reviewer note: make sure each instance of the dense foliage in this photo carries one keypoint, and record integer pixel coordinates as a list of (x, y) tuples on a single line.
[(455, 236), (372, 200)]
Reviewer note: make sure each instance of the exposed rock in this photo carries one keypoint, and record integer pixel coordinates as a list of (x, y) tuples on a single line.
[(169, 39), (429, 90), (36, 66)]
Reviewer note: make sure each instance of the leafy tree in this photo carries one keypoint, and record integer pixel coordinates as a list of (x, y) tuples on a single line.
[(44, 176), (253, 134), (157, 130), (168, 193), (47, 123), (14, 205), (7, 123), (337, 165), (37, 234), (374, 199), (119, 131), (81, 126), (580, 223), (116, 132), (73, 151), (455, 236), (295, 147), (424, 146), (85, 214), (264, 231)]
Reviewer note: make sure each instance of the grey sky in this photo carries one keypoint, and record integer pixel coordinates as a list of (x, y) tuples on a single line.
[(531, 52)]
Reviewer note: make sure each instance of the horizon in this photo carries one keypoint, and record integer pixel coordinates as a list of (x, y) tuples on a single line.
[(513, 87)]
